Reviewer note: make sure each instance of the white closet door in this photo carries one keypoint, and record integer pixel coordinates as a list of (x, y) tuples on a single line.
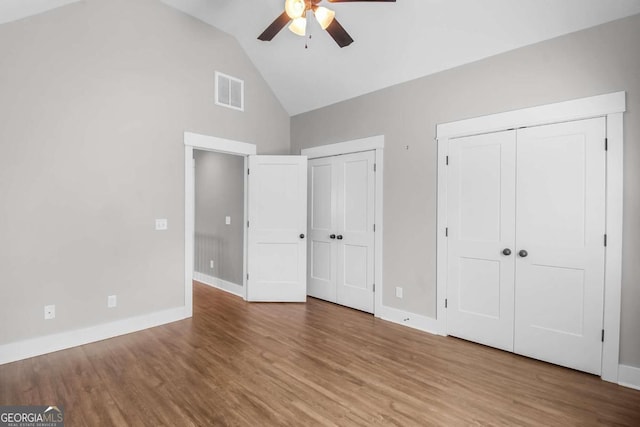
[(355, 235), (277, 210), (481, 227), (322, 225), (560, 225), (341, 236)]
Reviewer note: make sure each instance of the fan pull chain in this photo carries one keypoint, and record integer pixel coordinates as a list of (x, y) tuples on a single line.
[(306, 45)]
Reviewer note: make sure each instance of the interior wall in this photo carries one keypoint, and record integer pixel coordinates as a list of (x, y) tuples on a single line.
[(219, 192), (599, 60), (95, 98)]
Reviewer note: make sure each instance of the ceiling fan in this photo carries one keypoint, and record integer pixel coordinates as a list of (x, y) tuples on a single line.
[(295, 11)]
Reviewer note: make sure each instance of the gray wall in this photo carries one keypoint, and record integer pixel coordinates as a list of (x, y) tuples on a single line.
[(219, 192), (95, 97), (596, 61)]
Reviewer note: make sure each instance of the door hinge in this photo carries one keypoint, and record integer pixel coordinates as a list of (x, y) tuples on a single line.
[(602, 338), (247, 276), (606, 144), (605, 240), (446, 303), (247, 224), (374, 287), (374, 228), (248, 171), (446, 232), (447, 160), (375, 167)]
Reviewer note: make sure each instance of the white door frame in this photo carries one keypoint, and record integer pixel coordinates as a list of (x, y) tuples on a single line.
[(194, 141), (612, 107), (355, 146)]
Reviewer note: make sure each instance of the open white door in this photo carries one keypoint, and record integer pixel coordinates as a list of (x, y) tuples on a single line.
[(277, 212)]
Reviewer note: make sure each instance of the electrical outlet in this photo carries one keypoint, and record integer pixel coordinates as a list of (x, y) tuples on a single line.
[(211, 264), (161, 224), (49, 312), (112, 301), (398, 292)]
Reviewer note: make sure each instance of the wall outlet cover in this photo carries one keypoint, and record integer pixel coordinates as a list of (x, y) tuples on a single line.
[(112, 301), (49, 312)]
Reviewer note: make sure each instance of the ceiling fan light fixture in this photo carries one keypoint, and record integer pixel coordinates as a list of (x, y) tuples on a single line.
[(324, 16), (295, 8), (299, 26)]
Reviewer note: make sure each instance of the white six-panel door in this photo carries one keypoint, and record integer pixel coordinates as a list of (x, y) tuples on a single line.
[(277, 212), (481, 212), (341, 221), (540, 193), (561, 226)]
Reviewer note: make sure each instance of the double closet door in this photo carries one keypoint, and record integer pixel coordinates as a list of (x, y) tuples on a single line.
[(526, 226), (341, 229)]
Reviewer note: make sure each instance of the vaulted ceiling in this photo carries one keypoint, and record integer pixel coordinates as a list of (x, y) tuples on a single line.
[(394, 42)]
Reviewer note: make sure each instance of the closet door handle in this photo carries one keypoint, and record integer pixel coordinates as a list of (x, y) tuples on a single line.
[(506, 251), (333, 236), (523, 253), (339, 237), (302, 236)]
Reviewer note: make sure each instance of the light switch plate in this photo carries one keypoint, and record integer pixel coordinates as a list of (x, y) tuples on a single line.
[(112, 301), (227, 220), (161, 224)]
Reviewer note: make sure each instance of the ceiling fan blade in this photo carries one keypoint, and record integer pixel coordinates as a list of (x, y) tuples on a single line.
[(339, 34), (275, 27), (348, 1)]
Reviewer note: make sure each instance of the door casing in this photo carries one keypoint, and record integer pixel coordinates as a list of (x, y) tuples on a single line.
[(194, 141), (611, 107)]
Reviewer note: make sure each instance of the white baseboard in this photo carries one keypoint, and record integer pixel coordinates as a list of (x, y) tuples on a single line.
[(215, 282), (412, 320), (629, 376), (42, 345)]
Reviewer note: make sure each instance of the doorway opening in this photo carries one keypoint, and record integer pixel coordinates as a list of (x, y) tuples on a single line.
[(219, 220)]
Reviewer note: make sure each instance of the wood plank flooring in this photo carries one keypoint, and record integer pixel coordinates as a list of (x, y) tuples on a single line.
[(236, 363)]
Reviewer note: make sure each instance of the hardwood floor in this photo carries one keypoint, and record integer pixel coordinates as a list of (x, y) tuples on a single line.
[(236, 363)]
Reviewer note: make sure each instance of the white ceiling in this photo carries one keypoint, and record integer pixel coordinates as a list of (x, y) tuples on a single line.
[(394, 42)]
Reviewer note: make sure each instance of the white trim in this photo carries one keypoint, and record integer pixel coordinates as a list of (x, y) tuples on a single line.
[(629, 377), (355, 146), (220, 145), (216, 282), (63, 340), (577, 109), (610, 106), (613, 251), (412, 320)]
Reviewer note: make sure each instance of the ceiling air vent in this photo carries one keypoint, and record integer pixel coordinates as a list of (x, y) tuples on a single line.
[(229, 91)]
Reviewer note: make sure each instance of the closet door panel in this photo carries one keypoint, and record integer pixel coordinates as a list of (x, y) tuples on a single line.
[(560, 224), (321, 281), (355, 246), (481, 215)]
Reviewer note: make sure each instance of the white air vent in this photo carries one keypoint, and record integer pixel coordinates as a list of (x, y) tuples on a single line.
[(229, 91)]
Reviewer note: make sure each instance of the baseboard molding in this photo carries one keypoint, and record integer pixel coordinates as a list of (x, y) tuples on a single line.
[(412, 320), (215, 282), (48, 344), (629, 376)]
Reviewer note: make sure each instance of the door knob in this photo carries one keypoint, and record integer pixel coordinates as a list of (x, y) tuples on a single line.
[(506, 251), (302, 236), (339, 237), (333, 236), (523, 253)]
